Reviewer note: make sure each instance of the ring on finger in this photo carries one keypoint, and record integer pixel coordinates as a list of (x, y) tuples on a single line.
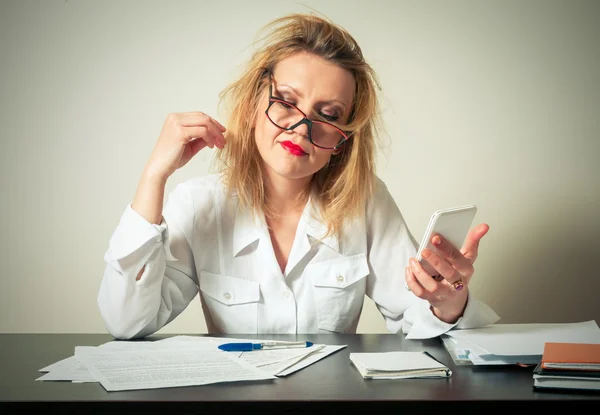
[(458, 285)]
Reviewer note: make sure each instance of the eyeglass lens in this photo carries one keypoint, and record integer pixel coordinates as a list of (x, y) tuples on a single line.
[(322, 134)]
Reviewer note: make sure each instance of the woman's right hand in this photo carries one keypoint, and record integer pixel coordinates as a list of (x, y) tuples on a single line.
[(183, 135)]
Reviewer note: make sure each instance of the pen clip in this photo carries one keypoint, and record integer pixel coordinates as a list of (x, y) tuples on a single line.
[(284, 344)]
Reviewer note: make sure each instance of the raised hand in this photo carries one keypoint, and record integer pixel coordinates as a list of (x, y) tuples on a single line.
[(183, 135), (447, 292)]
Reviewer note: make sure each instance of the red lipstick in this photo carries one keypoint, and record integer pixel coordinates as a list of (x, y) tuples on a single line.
[(294, 149)]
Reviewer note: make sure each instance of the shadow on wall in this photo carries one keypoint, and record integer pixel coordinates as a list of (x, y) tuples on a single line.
[(547, 270)]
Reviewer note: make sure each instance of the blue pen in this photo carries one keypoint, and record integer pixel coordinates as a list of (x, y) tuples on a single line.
[(247, 347)]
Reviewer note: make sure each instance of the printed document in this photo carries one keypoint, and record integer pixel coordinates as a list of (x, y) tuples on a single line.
[(119, 370), (179, 361), (515, 343)]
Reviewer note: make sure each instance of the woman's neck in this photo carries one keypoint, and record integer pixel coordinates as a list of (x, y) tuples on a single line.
[(286, 195)]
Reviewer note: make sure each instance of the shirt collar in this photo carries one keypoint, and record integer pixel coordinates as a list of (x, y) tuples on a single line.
[(315, 227), (249, 227)]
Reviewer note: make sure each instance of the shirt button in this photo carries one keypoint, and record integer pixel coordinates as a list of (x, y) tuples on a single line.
[(227, 296), (286, 294), (340, 278)]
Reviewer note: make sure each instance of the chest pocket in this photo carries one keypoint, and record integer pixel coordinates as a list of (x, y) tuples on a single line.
[(232, 302), (339, 286)]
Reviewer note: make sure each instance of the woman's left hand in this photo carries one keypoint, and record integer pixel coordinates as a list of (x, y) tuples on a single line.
[(448, 292)]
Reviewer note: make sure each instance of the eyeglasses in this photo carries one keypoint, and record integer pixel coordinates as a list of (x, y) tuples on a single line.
[(287, 116)]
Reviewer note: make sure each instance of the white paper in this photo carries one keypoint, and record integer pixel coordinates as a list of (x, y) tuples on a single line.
[(276, 367), (279, 362), (69, 369), (203, 342), (396, 361), (398, 365), (504, 360), (260, 358), (458, 353), (311, 358), (119, 370), (525, 339), (64, 363)]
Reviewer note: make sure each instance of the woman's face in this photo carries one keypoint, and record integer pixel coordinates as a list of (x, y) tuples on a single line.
[(320, 89)]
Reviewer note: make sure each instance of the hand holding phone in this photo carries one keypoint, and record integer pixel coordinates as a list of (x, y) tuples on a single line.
[(453, 225)]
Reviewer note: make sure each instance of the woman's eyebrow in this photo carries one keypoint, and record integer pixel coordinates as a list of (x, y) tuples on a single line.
[(299, 95)]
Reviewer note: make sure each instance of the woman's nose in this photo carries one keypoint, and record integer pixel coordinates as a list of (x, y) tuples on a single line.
[(302, 130)]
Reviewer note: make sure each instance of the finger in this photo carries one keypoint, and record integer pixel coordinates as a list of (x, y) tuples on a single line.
[(198, 118), (198, 132), (219, 126), (218, 133), (222, 127), (470, 248), (450, 253), (212, 135), (215, 130), (196, 146), (424, 279), (412, 284), (446, 270)]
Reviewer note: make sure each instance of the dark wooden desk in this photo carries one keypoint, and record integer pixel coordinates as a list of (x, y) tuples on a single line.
[(332, 381)]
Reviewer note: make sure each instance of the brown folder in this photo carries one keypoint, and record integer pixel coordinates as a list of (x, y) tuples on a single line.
[(571, 356)]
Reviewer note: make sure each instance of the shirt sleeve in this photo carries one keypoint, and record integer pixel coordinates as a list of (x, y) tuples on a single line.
[(133, 309), (390, 246)]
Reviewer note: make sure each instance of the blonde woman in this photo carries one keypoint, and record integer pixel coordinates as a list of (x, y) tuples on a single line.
[(296, 228)]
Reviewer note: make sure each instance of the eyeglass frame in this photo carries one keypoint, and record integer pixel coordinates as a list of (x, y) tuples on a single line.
[(305, 120)]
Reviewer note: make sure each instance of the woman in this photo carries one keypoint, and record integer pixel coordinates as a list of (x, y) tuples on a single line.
[(296, 228)]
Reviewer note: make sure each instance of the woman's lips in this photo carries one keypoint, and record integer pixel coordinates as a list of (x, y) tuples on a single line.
[(292, 148)]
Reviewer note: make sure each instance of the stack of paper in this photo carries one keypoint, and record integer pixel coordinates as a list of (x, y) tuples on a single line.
[(398, 365), (178, 361), (501, 344), (568, 366)]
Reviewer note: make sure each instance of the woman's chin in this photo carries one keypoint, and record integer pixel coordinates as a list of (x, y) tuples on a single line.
[(291, 171)]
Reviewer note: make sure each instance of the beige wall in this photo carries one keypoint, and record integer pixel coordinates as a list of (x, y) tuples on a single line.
[(491, 103)]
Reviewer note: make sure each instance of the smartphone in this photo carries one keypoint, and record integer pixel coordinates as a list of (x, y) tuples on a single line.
[(452, 224)]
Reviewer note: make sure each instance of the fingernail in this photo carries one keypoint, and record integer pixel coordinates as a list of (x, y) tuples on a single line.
[(437, 240), (426, 252)]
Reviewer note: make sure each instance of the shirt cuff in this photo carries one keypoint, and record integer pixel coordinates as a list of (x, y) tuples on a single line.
[(476, 315), (426, 325), (132, 233)]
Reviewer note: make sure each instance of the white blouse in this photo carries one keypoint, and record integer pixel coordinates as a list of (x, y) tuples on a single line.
[(205, 244)]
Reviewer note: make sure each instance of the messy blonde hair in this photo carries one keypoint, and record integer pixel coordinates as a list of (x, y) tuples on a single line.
[(340, 188)]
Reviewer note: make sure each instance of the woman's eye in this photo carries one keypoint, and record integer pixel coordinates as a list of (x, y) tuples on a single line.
[(329, 117)]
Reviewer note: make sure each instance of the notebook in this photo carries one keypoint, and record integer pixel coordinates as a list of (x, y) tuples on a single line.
[(571, 356), (398, 365), (565, 379)]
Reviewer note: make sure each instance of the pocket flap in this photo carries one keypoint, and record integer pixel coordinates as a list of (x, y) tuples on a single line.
[(229, 290), (339, 272)]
